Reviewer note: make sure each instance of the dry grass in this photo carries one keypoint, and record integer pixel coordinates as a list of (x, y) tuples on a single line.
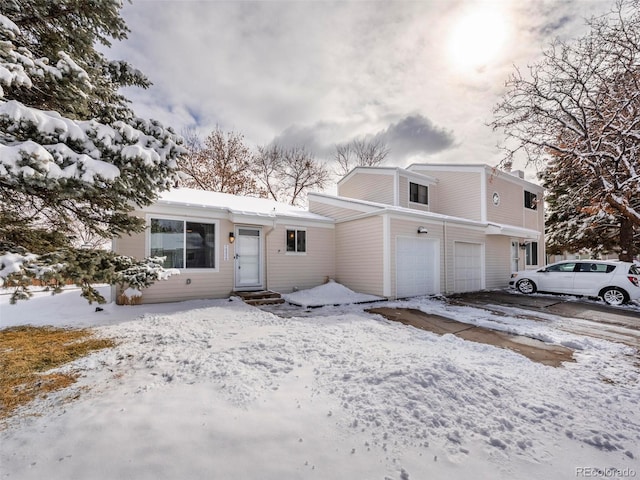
[(27, 353)]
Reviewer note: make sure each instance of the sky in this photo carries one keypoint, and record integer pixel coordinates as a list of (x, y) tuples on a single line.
[(423, 76)]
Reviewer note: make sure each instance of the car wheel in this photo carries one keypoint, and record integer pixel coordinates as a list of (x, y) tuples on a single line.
[(614, 296), (526, 286)]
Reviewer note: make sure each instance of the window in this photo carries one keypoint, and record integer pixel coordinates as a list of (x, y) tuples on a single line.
[(595, 268), (183, 244), (562, 267), (530, 200), (418, 193), (531, 253), (296, 241)]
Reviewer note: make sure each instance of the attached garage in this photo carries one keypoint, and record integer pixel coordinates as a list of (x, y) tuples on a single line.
[(468, 266), (417, 266)]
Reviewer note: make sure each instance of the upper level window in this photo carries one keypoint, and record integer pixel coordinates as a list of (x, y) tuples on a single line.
[(183, 244), (418, 193), (296, 240), (530, 200)]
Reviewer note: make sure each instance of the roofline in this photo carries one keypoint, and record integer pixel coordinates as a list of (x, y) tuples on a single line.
[(389, 170), (244, 213), (493, 171)]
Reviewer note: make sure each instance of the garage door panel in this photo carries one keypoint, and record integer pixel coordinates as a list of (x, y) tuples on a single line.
[(468, 271), (416, 267)]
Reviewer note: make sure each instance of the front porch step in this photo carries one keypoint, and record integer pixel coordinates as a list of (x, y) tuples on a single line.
[(261, 297)]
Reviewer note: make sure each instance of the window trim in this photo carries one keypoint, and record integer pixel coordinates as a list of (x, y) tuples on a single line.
[(426, 187), (306, 241), (530, 200), (184, 219)]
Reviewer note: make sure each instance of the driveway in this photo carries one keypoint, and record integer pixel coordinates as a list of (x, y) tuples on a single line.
[(584, 317)]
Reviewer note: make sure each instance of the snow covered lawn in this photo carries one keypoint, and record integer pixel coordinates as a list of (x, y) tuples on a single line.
[(218, 389)]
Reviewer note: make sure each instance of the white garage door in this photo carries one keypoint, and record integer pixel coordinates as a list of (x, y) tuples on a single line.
[(417, 267), (467, 267)]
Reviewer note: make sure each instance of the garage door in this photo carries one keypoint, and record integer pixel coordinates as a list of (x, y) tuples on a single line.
[(467, 267), (417, 267)]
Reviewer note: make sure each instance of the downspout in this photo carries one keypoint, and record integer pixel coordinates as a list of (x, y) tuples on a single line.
[(266, 254), (444, 239)]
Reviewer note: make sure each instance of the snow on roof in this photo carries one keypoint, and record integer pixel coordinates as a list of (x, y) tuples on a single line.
[(235, 204)]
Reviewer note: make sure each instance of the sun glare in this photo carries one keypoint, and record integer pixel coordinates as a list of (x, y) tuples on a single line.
[(477, 38)]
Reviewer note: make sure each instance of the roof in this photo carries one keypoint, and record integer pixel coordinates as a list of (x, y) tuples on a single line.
[(235, 204)]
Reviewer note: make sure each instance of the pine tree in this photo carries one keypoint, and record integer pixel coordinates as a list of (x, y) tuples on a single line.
[(71, 150)]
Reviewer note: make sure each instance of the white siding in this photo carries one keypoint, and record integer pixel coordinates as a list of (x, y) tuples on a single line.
[(458, 193), (359, 250), (286, 271), (497, 261), (372, 187)]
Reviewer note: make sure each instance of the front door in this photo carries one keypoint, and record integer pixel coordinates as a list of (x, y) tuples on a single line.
[(248, 259), (515, 256)]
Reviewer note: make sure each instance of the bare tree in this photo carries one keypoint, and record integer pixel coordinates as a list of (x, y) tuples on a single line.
[(580, 106), (359, 152), (220, 163), (287, 174)]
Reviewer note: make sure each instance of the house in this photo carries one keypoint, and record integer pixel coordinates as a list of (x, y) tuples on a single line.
[(389, 231)]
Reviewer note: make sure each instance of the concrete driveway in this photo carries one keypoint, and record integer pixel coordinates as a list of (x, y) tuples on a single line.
[(581, 316)]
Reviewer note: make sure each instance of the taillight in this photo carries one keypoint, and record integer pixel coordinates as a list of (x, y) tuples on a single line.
[(634, 280)]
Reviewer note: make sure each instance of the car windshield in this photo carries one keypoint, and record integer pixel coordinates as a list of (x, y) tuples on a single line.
[(634, 270)]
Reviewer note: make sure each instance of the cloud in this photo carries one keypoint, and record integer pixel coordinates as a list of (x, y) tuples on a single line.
[(409, 136), (416, 134)]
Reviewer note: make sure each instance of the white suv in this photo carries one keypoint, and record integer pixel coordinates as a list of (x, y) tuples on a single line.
[(615, 282)]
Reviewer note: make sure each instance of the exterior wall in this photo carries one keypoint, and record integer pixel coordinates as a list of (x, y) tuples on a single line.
[(497, 261), (331, 211), (458, 193), (203, 283), (282, 271), (359, 255), (372, 187), (286, 271), (511, 209), (403, 191)]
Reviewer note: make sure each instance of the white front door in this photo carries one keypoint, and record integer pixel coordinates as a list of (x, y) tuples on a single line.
[(247, 258), (515, 256)]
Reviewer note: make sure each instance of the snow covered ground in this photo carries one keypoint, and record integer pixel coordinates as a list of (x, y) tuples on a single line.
[(218, 389)]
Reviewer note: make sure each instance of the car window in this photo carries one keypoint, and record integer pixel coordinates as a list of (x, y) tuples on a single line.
[(561, 267), (634, 270), (595, 267)]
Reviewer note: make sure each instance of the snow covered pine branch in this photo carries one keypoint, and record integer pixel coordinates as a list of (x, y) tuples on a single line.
[(58, 171)]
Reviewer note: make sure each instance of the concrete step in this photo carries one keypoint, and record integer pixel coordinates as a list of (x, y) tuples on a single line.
[(260, 297), (264, 301)]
